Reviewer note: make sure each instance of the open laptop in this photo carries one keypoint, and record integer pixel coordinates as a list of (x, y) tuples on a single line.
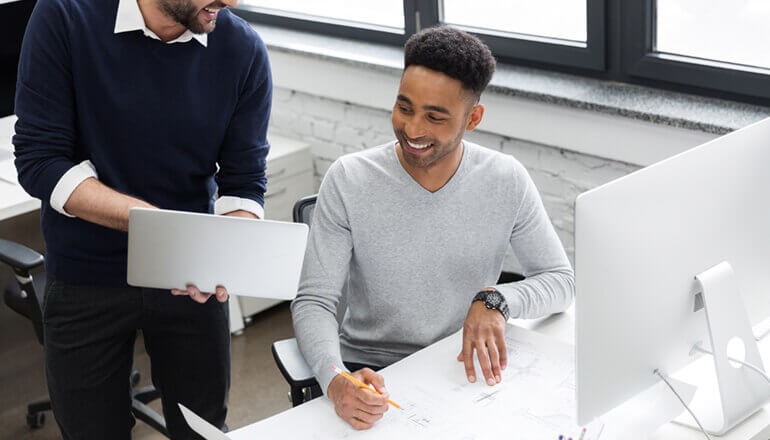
[(171, 249)]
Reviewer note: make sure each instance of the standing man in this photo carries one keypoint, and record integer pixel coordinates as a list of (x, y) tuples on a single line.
[(416, 230), (136, 103)]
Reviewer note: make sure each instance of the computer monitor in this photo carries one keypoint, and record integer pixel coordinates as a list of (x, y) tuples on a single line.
[(639, 243)]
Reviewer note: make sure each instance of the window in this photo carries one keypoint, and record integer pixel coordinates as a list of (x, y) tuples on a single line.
[(712, 47), (552, 19), (382, 13), (734, 32)]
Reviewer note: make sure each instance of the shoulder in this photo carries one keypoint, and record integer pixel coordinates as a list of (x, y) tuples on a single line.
[(362, 166), (236, 36), (369, 161), (495, 163)]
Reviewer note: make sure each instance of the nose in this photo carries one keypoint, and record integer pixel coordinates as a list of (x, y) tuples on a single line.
[(413, 129)]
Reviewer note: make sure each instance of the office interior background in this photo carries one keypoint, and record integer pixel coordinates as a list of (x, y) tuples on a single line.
[(586, 91)]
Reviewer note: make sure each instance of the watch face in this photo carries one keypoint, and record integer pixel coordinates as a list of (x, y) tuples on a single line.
[(493, 300)]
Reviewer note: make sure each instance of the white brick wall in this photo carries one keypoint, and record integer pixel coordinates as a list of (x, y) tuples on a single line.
[(334, 128)]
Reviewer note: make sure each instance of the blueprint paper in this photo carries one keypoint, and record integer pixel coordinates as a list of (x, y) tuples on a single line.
[(535, 400)]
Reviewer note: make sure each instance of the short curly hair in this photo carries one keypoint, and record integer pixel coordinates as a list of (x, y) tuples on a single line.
[(453, 52)]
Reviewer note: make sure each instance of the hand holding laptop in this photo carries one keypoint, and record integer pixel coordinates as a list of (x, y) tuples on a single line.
[(199, 255), (201, 297), (221, 293)]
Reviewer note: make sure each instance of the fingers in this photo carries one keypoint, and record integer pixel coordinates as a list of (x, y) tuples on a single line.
[(484, 333), (467, 358), (369, 376), (193, 292), (503, 350), (221, 294), (359, 407)]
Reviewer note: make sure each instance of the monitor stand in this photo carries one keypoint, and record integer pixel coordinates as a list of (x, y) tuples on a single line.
[(737, 392)]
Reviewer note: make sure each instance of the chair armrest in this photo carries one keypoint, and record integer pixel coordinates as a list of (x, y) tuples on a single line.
[(18, 256), (291, 363)]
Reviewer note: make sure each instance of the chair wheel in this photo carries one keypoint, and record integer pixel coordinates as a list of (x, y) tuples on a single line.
[(36, 420), (135, 378)]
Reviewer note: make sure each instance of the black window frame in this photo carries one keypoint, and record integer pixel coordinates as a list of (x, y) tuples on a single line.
[(619, 47), (641, 60)]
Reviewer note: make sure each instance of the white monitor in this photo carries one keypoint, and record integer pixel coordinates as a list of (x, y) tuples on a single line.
[(640, 241)]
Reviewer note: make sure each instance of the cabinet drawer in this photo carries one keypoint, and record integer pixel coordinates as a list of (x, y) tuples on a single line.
[(290, 164), (283, 193)]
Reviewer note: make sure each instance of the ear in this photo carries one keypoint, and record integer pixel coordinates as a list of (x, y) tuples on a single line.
[(474, 117)]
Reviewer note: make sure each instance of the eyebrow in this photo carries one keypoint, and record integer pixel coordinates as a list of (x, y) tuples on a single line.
[(435, 108)]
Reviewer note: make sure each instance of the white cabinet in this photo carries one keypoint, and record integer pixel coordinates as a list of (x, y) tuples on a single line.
[(289, 177)]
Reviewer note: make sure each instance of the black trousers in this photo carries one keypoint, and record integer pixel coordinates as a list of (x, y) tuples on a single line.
[(89, 346)]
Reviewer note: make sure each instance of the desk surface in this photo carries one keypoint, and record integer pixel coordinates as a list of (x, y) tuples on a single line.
[(13, 199), (560, 327)]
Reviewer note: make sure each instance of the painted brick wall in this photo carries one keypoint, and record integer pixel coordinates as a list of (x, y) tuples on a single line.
[(334, 128)]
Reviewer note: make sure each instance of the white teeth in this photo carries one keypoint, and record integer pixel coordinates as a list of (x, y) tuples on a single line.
[(418, 146)]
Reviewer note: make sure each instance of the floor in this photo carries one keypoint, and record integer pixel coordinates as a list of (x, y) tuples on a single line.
[(258, 390)]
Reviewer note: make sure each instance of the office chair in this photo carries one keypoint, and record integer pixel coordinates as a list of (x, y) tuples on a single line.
[(302, 382), (25, 297)]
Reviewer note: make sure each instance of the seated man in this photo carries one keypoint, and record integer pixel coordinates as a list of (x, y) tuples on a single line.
[(415, 232)]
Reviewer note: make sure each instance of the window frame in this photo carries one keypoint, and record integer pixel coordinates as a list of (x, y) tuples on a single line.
[(514, 47), (329, 26), (640, 60), (619, 47)]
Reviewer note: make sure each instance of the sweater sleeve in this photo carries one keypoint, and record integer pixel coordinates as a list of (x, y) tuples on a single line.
[(243, 157), (325, 270), (45, 130), (549, 286)]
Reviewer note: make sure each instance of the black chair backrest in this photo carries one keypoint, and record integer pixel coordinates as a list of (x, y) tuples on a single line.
[(25, 296), (303, 209)]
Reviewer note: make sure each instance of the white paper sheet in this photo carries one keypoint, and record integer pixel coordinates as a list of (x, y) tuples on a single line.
[(535, 400)]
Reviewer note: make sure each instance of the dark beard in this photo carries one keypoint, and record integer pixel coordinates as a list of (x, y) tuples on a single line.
[(184, 13)]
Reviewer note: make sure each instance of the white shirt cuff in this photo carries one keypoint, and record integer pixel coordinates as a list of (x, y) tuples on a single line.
[(226, 204), (67, 184)]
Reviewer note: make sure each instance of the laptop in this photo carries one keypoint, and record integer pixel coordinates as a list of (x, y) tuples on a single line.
[(171, 249)]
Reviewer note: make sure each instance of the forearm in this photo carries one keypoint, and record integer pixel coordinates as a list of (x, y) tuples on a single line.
[(540, 295), (318, 339), (97, 203)]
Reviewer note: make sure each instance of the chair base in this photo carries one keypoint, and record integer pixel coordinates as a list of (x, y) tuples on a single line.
[(140, 397), (36, 413)]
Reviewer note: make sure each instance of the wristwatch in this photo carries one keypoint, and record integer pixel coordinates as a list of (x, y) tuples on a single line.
[(493, 300)]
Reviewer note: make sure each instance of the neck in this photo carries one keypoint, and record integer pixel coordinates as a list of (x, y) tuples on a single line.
[(436, 175), (157, 21)]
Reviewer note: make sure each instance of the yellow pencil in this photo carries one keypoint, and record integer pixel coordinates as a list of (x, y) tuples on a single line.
[(347, 376)]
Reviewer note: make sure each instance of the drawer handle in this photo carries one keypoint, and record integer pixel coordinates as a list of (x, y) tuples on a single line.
[(277, 174), (270, 195)]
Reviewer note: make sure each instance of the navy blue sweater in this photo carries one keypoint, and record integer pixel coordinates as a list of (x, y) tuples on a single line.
[(155, 119)]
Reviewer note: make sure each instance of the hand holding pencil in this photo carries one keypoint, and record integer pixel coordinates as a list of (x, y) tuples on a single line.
[(347, 376), (359, 398)]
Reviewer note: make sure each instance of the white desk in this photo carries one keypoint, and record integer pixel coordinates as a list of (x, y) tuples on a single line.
[(560, 327), (13, 199)]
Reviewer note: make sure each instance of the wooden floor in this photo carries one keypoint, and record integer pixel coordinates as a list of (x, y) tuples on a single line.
[(258, 390)]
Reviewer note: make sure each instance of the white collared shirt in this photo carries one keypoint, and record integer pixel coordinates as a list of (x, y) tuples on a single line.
[(129, 18)]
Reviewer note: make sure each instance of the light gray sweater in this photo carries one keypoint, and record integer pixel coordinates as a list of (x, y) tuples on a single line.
[(410, 261)]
